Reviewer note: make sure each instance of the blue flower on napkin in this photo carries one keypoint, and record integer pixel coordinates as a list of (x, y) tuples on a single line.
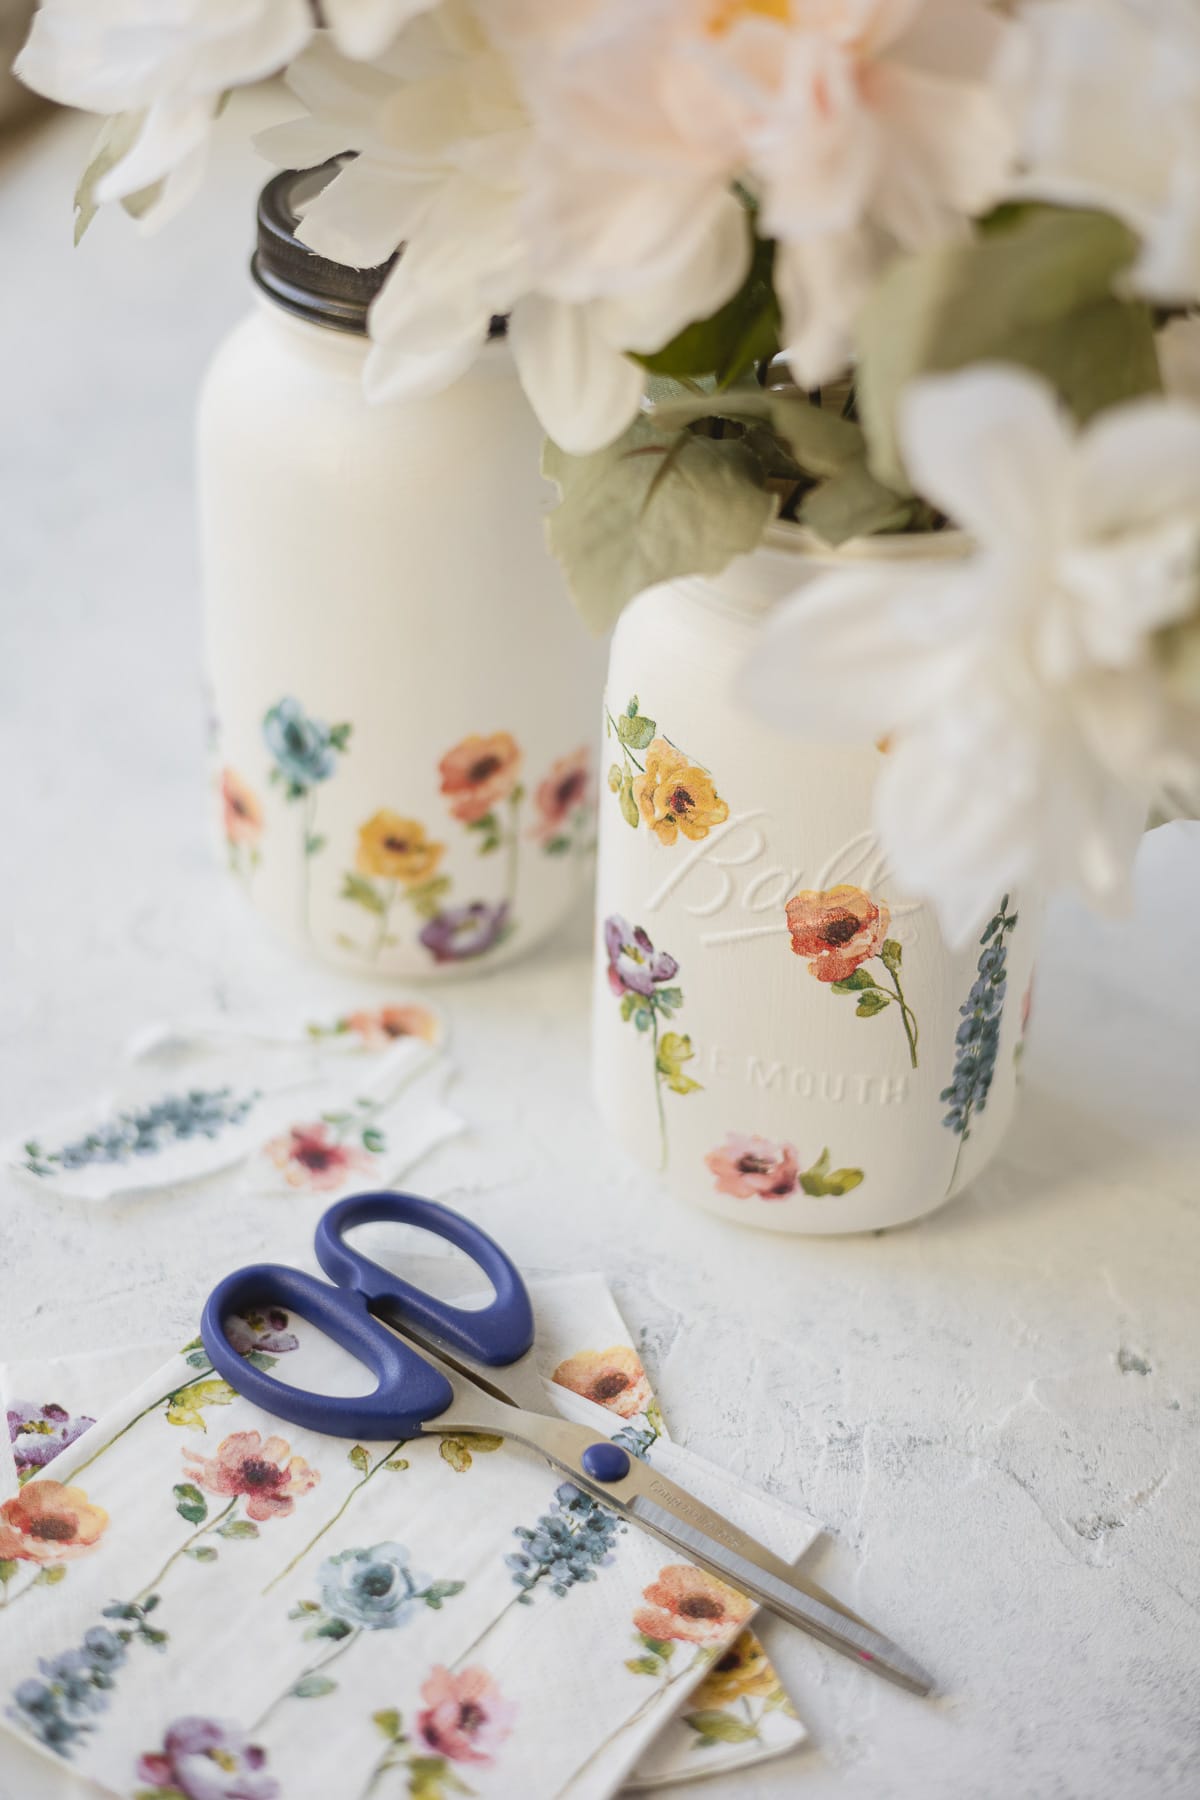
[(374, 1588)]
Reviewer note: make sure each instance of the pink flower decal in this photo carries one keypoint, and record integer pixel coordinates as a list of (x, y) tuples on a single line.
[(311, 1157), (390, 1023), (266, 1473), (613, 1378), (565, 792), (836, 930), (691, 1607), (753, 1168), (478, 774), (465, 1718)]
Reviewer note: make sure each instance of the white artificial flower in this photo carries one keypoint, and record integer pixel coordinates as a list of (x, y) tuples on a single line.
[(1106, 95), (1018, 683), (861, 126), (443, 142), (164, 71)]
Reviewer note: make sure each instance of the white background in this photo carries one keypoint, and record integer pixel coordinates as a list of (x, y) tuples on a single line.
[(1001, 1495)]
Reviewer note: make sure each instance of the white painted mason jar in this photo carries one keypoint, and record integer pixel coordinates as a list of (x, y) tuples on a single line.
[(777, 1025), (404, 698)]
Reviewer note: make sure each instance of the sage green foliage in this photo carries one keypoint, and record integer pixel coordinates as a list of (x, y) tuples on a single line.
[(1035, 288), (657, 503), (740, 334)]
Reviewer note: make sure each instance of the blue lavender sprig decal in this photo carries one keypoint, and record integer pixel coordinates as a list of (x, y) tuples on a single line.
[(173, 1119), (575, 1536), (978, 1037)]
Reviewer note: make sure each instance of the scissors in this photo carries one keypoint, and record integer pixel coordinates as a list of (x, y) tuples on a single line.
[(407, 1338)]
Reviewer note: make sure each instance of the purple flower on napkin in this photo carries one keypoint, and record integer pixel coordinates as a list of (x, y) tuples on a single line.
[(465, 931), (38, 1433), (207, 1759), (262, 1331), (634, 965)]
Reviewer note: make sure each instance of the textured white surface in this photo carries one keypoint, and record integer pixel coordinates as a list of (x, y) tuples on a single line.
[(996, 1412)]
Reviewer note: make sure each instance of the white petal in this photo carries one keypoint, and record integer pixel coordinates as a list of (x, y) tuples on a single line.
[(646, 318), (364, 28), (862, 650), (946, 154), (821, 282), (990, 447), (1138, 464), (361, 217), (174, 130), (583, 390)]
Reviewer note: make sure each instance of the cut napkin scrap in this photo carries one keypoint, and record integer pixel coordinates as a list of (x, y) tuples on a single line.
[(200, 1601), (323, 1105)]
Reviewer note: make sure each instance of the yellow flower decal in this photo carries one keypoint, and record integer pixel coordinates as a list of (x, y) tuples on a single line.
[(743, 1669), (396, 849), (186, 1406), (675, 1049), (674, 795)]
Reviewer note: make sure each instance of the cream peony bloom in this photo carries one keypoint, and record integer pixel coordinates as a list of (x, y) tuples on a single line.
[(859, 125), (1018, 682), (444, 144), (164, 70), (1106, 94)]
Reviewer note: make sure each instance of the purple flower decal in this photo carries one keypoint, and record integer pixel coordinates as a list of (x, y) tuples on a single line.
[(205, 1759), (38, 1433), (465, 931), (261, 1331), (634, 965)]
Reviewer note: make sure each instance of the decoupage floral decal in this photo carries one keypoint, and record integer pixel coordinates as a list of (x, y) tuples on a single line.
[(39, 1433), (242, 819), (58, 1706), (462, 932), (755, 1168), (576, 1535), (395, 860), (838, 931), (306, 752), (643, 979), (668, 793), (145, 1131), (464, 1719), (322, 1154), (47, 1525), (735, 1696), (978, 1037), (206, 1759), (385, 1025), (564, 805), (613, 1378)]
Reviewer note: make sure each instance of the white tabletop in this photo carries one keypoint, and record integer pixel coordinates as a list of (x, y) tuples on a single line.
[(995, 1413)]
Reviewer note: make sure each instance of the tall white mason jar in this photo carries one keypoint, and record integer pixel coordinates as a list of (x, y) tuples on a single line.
[(404, 699), (777, 1025)]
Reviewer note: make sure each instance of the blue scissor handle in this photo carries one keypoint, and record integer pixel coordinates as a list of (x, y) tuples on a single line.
[(410, 1391), (494, 1334)]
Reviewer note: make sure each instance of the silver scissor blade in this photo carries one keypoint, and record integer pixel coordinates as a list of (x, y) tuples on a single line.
[(828, 1622)]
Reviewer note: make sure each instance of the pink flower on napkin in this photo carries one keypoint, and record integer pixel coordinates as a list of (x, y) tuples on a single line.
[(688, 1605), (465, 1718), (753, 1168), (310, 1156), (270, 1477), (614, 1378)]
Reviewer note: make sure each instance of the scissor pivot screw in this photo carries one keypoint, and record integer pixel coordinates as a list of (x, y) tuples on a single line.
[(605, 1462)]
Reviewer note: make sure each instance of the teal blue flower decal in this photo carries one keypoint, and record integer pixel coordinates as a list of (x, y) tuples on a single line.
[(374, 1588), (306, 752)]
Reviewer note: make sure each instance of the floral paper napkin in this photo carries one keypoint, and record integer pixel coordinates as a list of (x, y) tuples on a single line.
[(300, 1616)]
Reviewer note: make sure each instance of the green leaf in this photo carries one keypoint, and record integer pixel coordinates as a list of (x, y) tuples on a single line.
[(1036, 289), (374, 1141), (660, 1647), (363, 893), (616, 778), (389, 1722), (739, 334), (8, 1569), (438, 1591), (653, 505), (259, 1360), (629, 806), (359, 1458), (312, 1687), (635, 733), (51, 1575), (339, 736), (201, 1553), (335, 1629), (668, 999), (717, 1727), (822, 442), (238, 1528), (427, 898), (854, 984), (185, 1406), (820, 1180), (314, 843), (190, 1503), (871, 1004), (644, 1665), (302, 1607), (891, 955), (397, 1462), (852, 504), (556, 847), (455, 1452), (483, 1442)]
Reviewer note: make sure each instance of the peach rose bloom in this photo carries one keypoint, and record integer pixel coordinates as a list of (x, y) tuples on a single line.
[(690, 1606), (566, 788), (243, 814), (753, 1168), (396, 849), (465, 1718), (837, 930), (379, 1029), (613, 1378), (479, 773), (674, 795), (49, 1523), (269, 1476)]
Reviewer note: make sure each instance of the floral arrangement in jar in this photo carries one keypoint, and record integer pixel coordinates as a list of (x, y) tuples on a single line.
[(863, 266)]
